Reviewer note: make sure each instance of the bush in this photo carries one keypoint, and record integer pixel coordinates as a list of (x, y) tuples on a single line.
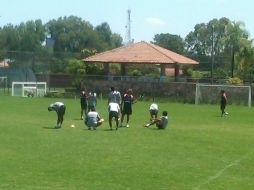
[(234, 80)]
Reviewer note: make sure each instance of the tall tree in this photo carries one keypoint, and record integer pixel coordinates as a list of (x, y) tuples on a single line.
[(71, 34), (169, 41), (219, 39), (108, 39), (9, 38), (32, 35)]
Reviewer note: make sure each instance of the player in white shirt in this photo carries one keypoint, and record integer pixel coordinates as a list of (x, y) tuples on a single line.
[(93, 119), (59, 107), (153, 109), (114, 111)]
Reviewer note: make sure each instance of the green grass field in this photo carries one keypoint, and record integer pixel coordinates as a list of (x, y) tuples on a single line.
[(198, 151)]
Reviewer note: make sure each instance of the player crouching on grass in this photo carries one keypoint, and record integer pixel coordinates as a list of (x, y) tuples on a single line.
[(59, 107), (161, 122), (93, 119)]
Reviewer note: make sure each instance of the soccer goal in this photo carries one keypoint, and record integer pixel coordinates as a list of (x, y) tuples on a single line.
[(29, 89), (210, 94)]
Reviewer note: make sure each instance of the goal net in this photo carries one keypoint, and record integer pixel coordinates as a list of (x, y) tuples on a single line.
[(29, 89), (210, 94)]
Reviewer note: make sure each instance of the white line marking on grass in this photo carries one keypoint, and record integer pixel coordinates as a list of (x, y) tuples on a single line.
[(219, 173)]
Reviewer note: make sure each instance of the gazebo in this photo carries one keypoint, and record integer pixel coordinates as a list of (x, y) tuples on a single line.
[(141, 53)]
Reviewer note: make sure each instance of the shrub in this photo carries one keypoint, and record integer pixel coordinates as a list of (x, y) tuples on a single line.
[(234, 80)]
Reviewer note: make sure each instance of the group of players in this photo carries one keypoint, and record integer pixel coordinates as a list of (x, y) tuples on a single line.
[(118, 107)]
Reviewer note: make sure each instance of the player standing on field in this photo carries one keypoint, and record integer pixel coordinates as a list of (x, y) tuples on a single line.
[(126, 105), (91, 101), (114, 96), (83, 103), (59, 107), (223, 103)]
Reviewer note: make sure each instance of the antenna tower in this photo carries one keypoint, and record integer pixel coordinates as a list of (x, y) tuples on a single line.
[(128, 28)]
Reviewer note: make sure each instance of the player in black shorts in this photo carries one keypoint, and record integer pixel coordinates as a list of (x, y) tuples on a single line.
[(59, 107), (127, 101), (223, 103), (83, 104)]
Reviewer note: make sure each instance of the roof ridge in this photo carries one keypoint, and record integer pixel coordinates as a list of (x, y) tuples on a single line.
[(114, 49)]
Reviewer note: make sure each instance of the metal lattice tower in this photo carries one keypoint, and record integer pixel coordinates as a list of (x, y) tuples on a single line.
[(129, 40)]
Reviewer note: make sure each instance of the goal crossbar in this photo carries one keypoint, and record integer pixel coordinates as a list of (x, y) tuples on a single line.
[(36, 88)]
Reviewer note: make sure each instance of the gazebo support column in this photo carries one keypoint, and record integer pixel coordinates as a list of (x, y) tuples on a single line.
[(177, 68), (163, 70), (123, 70), (106, 68)]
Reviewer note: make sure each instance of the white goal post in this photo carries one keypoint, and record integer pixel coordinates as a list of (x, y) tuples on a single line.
[(210, 94), (29, 88)]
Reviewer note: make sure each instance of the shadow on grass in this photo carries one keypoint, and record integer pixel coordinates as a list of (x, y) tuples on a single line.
[(51, 128), (77, 119), (110, 130)]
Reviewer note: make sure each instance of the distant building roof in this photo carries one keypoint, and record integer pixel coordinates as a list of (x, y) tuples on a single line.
[(140, 52)]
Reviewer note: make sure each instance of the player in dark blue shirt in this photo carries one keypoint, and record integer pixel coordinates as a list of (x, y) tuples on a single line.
[(223, 103), (83, 104), (126, 105)]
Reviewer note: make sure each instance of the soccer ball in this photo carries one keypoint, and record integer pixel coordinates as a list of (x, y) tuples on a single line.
[(72, 125)]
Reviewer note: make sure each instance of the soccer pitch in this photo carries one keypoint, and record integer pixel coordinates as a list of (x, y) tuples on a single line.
[(198, 151)]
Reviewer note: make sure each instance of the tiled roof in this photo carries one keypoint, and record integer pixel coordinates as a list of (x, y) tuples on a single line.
[(140, 52)]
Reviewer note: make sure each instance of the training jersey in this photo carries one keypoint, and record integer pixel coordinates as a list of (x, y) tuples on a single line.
[(128, 99), (223, 99), (113, 107), (55, 106), (83, 98), (91, 100), (163, 122), (127, 103), (114, 96), (92, 118), (153, 106)]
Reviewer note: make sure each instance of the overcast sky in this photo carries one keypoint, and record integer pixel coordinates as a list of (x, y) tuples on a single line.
[(148, 17)]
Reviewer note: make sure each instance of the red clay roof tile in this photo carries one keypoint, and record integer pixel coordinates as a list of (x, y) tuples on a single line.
[(140, 52)]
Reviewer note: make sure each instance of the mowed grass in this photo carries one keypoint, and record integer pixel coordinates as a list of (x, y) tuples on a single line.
[(198, 150)]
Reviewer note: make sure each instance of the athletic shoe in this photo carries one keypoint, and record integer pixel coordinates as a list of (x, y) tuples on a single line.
[(147, 125)]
